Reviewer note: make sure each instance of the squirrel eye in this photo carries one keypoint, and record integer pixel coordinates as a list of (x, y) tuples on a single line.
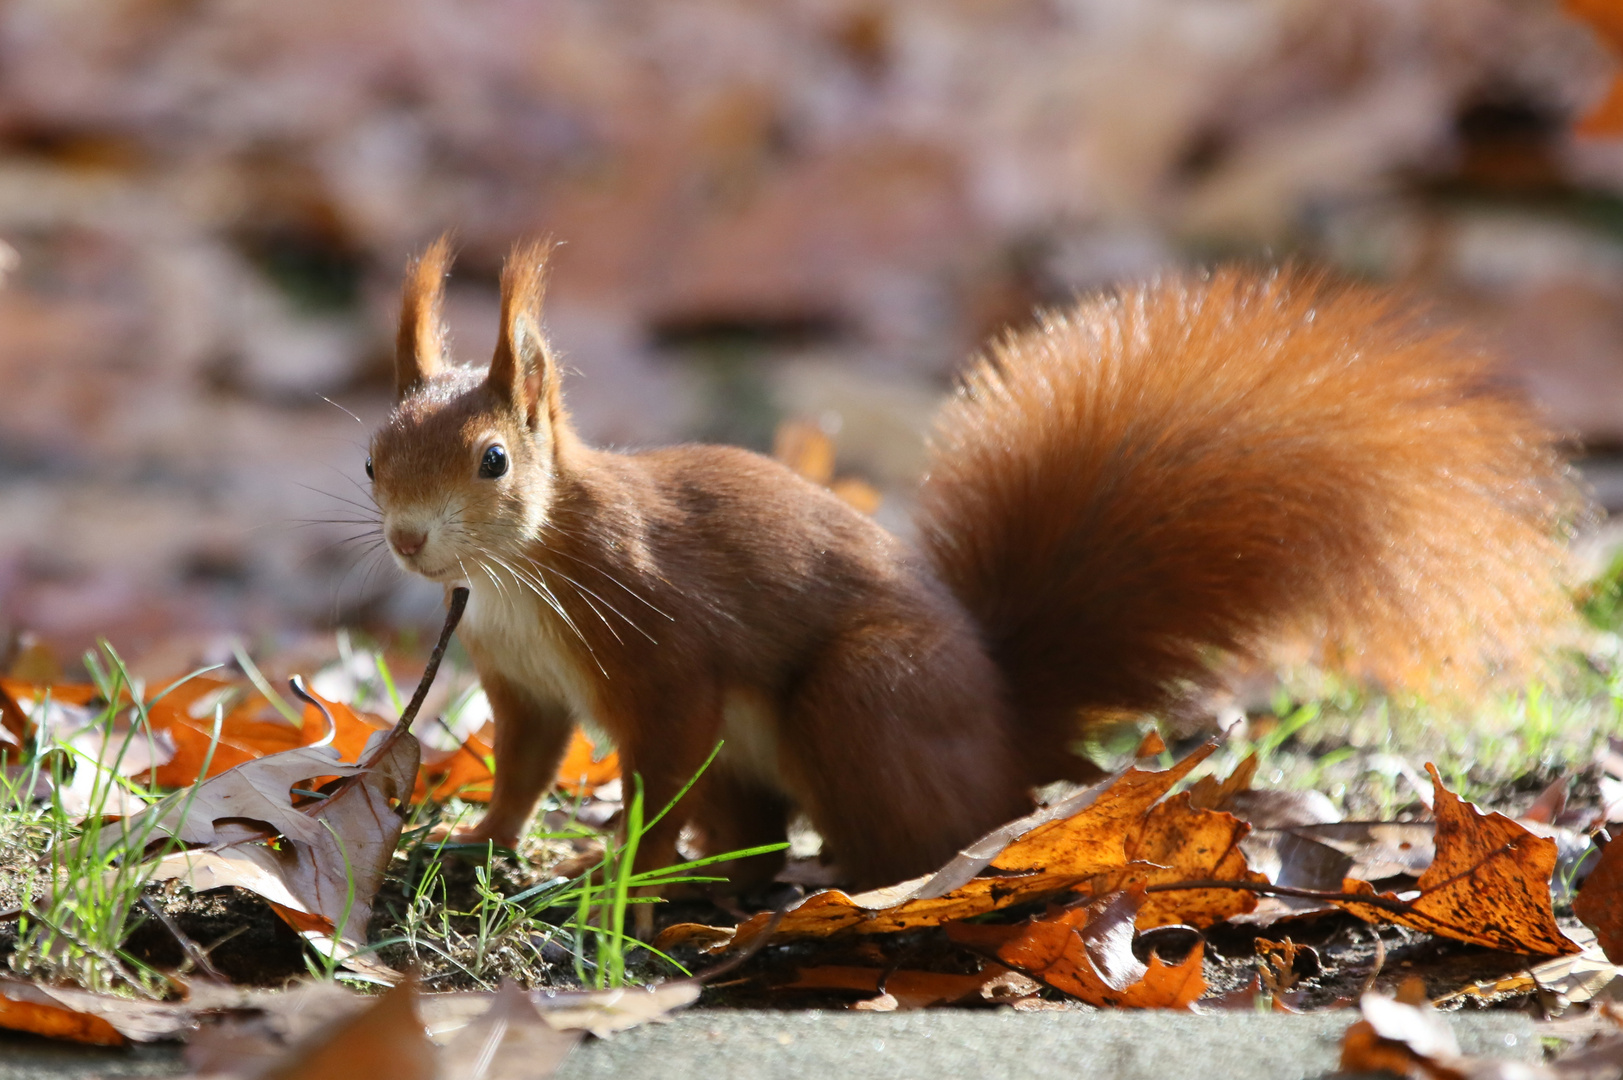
[(494, 463), (369, 467)]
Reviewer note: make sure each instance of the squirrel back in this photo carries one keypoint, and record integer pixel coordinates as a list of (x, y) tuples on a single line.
[(1202, 464)]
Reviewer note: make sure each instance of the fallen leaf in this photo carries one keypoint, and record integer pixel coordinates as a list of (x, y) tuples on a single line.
[(80, 1016), (509, 1041), (905, 988), (1210, 793), (1489, 884), (603, 1012), (1605, 18), (1600, 901), (1400, 1038), (258, 1026), (384, 1039), (1178, 842), (583, 770), (1285, 857), (1087, 951), (693, 936), (1041, 855), (320, 864), (464, 774), (1378, 849)]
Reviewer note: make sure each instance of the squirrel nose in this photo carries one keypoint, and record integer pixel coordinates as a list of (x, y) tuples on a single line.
[(407, 541)]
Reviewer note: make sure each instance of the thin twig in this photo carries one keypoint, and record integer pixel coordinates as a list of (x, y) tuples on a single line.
[(760, 942), (453, 615), (193, 951), (1401, 907)]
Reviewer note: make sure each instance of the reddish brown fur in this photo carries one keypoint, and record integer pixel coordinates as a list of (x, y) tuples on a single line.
[(1145, 480), (1200, 464)]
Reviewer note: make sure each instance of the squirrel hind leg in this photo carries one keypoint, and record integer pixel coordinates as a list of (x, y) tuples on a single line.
[(900, 764), (732, 813)]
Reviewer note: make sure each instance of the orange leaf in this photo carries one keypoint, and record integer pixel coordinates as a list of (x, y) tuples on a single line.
[(582, 771), (1088, 952), (1489, 884), (465, 774), (53, 1020), (1178, 842), (1048, 853), (1605, 18), (62, 1012), (1600, 902), (907, 989)]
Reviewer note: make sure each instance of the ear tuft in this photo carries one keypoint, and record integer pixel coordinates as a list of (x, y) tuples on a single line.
[(522, 371), (420, 344)]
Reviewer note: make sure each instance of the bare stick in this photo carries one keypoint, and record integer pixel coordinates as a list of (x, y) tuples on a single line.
[(453, 615), (1383, 903)]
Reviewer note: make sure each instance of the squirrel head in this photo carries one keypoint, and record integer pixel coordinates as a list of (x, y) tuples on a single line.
[(464, 470)]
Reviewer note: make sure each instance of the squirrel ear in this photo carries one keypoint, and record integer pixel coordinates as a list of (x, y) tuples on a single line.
[(523, 372), (420, 346)]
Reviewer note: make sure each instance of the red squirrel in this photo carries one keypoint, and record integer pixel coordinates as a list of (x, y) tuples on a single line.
[(1138, 484)]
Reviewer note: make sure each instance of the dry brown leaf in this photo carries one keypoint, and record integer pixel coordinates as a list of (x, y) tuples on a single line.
[(1152, 745), (320, 864), (1396, 1037), (906, 989), (1088, 952), (693, 936), (58, 1012), (259, 1026), (603, 1012), (384, 1039), (509, 1041), (1178, 842), (1210, 793), (1600, 902), (1378, 849), (1489, 884), (1042, 855)]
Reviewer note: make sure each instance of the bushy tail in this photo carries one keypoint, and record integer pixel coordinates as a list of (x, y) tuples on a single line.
[(1151, 479)]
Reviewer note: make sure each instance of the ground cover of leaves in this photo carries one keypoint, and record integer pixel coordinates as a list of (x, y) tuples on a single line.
[(200, 855), (1181, 881)]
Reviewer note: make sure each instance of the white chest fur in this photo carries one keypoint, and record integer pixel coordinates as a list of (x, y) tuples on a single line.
[(525, 640), (531, 646)]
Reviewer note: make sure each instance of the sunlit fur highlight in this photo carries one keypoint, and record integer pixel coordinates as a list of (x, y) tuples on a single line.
[(1202, 464), (420, 342)]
